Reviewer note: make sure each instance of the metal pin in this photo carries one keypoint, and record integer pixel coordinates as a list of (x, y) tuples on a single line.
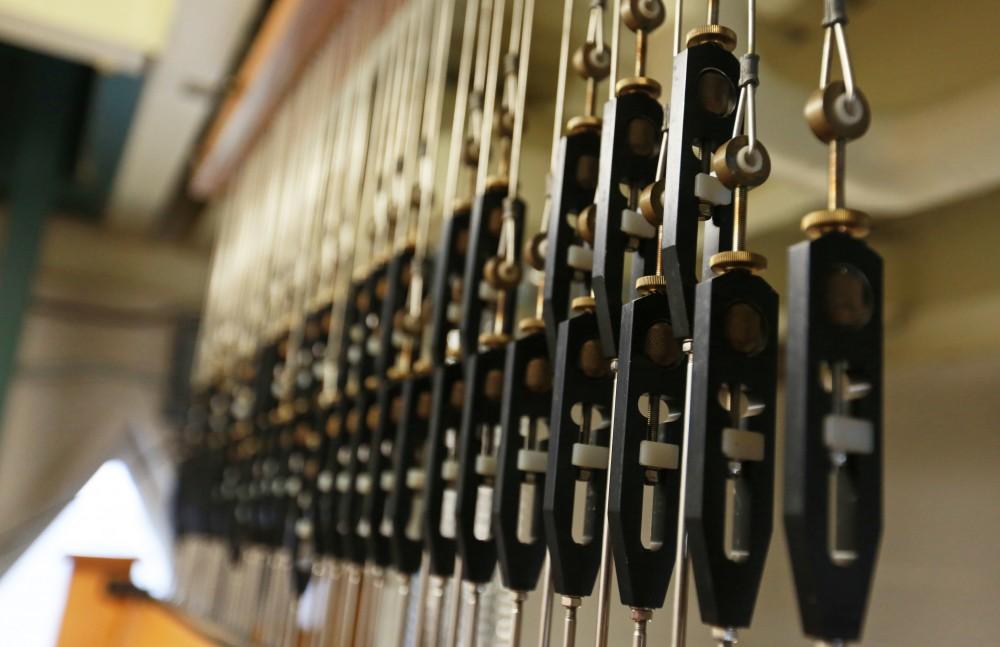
[(472, 627), (456, 609), (404, 607), (545, 624), (679, 630), (641, 618), (518, 598), (571, 604), (604, 577)]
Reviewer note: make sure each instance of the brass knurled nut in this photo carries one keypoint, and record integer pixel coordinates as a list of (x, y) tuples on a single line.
[(530, 325), (460, 206), (850, 221), (497, 182), (737, 260), (493, 340), (651, 283), (371, 382), (582, 123), (583, 304), (422, 366), (724, 37), (643, 84)]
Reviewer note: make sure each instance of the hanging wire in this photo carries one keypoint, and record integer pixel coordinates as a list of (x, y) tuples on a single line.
[(835, 17), (489, 101)]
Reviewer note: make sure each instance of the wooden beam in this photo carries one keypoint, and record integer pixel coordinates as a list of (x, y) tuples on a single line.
[(291, 32)]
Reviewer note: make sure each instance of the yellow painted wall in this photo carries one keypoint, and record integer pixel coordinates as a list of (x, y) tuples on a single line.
[(140, 25)]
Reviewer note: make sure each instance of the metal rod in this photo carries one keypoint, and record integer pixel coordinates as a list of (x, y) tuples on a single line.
[(423, 585), (404, 607), (571, 604), (640, 618), (836, 198), (560, 105), (545, 623), (472, 627), (348, 618), (490, 95), (604, 576), (679, 629), (678, 25), (713, 12), (524, 56), (438, 585), (456, 609), (517, 609), (616, 27)]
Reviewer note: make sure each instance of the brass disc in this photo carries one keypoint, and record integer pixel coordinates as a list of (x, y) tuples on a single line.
[(638, 84), (493, 385), (737, 260), (496, 183), (530, 325), (661, 347), (850, 221), (593, 363), (582, 123), (651, 283), (538, 375), (492, 340), (724, 37), (585, 303)]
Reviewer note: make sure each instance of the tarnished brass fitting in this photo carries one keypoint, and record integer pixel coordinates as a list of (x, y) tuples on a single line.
[(737, 260)]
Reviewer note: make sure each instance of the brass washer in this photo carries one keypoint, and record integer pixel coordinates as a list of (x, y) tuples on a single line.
[(497, 182), (421, 367), (737, 260), (583, 304), (583, 123), (724, 37), (530, 325), (642, 84), (371, 382), (651, 283), (850, 221), (460, 206), (492, 340)]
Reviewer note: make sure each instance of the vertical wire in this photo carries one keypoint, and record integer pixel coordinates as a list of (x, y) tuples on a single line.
[(616, 27), (462, 90), (522, 90), (489, 102)]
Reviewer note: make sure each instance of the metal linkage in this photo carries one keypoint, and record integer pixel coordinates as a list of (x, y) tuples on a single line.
[(633, 118), (730, 451), (833, 443), (526, 388)]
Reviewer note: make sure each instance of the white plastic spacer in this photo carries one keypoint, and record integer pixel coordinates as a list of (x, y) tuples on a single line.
[(449, 470), (486, 465), (659, 456), (634, 224), (848, 435), (387, 481), (742, 445), (710, 189), (532, 460), (415, 478), (580, 258), (590, 457), (343, 482), (364, 484)]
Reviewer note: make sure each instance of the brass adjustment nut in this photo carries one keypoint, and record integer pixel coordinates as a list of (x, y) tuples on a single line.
[(372, 417), (422, 366), (642, 84), (371, 382), (460, 207), (493, 340), (737, 260), (591, 62), (643, 15), (530, 325), (585, 303), (538, 375), (586, 224), (593, 363), (534, 251), (497, 183), (736, 166), (396, 373), (724, 37), (493, 385), (651, 203), (457, 396), (849, 221), (502, 274), (651, 283), (831, 115), (583, 123)]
